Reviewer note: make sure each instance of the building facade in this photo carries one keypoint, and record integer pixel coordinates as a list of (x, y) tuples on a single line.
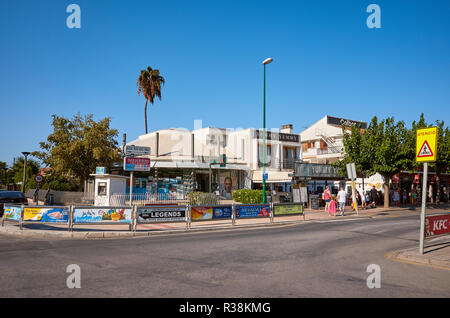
[(187, 160)]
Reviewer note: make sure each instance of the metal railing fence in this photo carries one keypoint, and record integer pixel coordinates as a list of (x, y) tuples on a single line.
[(133, 215)]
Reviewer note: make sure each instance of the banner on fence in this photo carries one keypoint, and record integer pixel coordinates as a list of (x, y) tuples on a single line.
[(161, 214), (287, 209), (201, 213), (437, 225), (46, 214), (251, 211), (98, 215), (210, 213), (222, 212), (12, 213)]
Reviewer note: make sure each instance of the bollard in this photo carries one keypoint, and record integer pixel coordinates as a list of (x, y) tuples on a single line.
[(70, 221), (233, 214), (187, 217), (271, 212), (134, 218), (21, 216), (190, 216)]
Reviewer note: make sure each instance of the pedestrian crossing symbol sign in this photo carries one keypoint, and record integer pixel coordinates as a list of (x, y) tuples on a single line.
[(426, 146)]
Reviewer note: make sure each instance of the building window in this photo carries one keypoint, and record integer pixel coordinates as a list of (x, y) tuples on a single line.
[(268, 155)]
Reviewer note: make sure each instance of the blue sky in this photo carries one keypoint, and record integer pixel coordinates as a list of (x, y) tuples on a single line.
[(326, 61)]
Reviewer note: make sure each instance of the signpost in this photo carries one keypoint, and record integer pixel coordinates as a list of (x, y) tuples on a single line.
[(351, 172), (222, 163), (131, 163), (136, 151), (426, 151), (39, 179)]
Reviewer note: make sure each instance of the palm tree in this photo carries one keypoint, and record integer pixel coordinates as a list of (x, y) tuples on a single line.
[(149, 84)]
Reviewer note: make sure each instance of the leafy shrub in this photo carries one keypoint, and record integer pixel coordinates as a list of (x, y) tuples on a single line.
[(202, 198), (247, 196)]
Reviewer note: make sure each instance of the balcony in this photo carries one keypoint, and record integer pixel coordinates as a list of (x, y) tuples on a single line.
[(285, 164)]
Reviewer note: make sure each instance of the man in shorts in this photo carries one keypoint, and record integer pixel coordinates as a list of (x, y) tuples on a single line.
[(342, 197)]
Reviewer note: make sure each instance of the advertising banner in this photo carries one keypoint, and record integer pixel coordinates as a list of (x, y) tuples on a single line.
[(12, 213), (201, 213), (288, 209), (136, 164), (98, 215), (223, 212), (437, 225), (211, 213), (252, 211), (46, 214), (161, 214)]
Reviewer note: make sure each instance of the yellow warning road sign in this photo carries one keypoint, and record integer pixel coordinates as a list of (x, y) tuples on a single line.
[(426, 145)]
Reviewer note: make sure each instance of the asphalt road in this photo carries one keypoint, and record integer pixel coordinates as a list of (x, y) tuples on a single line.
[(327, 259)]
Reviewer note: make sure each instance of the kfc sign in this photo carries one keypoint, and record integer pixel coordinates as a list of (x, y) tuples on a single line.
[(437, 225)]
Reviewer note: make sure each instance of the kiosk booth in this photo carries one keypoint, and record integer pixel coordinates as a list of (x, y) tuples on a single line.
[(106, 185)]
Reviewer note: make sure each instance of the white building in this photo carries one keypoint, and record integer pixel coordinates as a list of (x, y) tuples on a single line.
[(322, 143), (181, 159)]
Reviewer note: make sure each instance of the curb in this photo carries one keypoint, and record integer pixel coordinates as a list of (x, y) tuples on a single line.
[(45, 234), (402, 257)]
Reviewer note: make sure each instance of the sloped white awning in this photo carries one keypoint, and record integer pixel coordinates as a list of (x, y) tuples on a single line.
[(273, 176)]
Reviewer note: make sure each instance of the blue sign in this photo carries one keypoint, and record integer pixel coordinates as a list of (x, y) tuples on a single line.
[(252, 211), (265, 176), (100, 170), (223, 212)]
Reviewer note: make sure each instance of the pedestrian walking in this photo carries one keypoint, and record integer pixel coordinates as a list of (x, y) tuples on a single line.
[(373, 196), (396, 197), (363, 200), (414, 197), (327, 198), (404, 197), (332, 208), (342, 197)]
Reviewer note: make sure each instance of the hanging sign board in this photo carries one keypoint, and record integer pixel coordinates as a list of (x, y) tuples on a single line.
[(136, 164), (136, 151), (426, 145)]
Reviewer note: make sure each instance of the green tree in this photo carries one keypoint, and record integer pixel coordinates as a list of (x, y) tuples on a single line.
[(149, 84), (384, 148), (3, 173), (442, 164), (17, 171), (78, 145), (355, 146)]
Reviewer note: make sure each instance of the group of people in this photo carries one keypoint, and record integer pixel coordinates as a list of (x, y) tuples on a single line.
[(402, 197), (332, 203)]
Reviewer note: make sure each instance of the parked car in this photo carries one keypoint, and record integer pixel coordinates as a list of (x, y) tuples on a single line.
[(13, 197)]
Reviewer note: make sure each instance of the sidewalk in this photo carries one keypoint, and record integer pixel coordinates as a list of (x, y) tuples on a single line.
[(436, 256)]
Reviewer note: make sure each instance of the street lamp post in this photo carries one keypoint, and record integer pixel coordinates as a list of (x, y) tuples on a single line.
[(265, 62), (25, 154)]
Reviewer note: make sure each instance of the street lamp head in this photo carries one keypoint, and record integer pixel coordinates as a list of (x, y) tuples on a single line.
[(25, 153), (267, 61)]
